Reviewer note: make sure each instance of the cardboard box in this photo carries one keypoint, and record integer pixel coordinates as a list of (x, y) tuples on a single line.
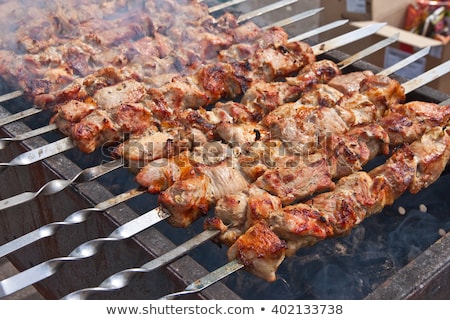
[(408, 43)]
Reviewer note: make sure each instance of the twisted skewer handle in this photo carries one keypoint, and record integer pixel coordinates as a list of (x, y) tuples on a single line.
[(57, 185), (122, 278), (77, 217), (4, 142), (83, 251)]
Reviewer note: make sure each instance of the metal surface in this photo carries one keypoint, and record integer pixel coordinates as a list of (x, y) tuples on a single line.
[(40, 153), (57, 185), (4, 142), (318, 30), (293, 19), (263, 10), (122, 278), (347, 38), (83, 251), (427, 77), (206, 281), (364, 53)]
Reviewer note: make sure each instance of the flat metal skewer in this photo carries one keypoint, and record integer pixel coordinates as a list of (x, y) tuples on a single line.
[(76, 217), (208, 280), (319, 30), (427, 77), (347, 38), (10, 95), (224, 5), (41, 153), (263, 10), (20, 115), (122, 278), (294, 18), (57, 185), (4, 142), (365, 52), (83, 251)]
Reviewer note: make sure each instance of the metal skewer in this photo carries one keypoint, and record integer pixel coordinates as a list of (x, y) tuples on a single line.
[(346, 38), (318, 30), (76, 217), (293, 18), (224, 5), (364, 53), (11, 95), (41, 153), (57, 185), (20, 115), (83, 251), (424, 78), (263, 10), (208, 280), (4, 142), (122, 278)]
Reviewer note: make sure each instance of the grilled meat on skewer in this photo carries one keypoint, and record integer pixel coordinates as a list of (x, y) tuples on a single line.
[(209, 84), (290, 178), (283, 230)]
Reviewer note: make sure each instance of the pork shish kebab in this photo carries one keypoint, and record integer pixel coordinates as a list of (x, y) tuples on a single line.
[(280, 233), (122, 278), (139, 51), (105, 118), (291, 176), (4, 142), (57, 185), (67, 143), (260, 249)]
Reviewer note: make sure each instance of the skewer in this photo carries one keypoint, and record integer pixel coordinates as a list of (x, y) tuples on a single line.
[(76, 217), (122, 278), (263, 10), (410, 59), (434, 73), (55, 186), (83, 251), (224, 5), (20, 115), (4, 142), (346, 38), (47, 268), (364, 53), (208, 280), (40, 153), (11, 95), (319, 30), (293, 19)]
